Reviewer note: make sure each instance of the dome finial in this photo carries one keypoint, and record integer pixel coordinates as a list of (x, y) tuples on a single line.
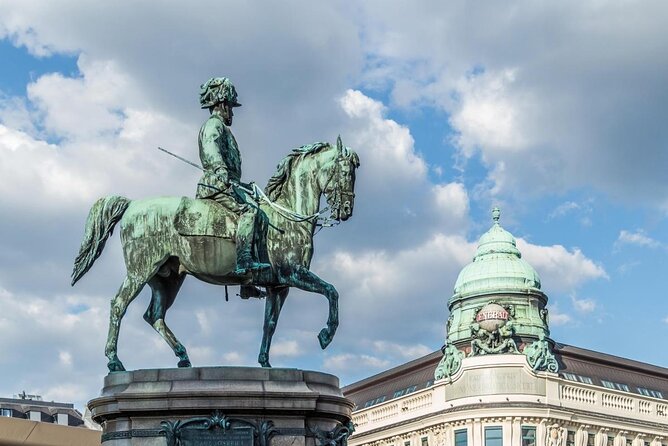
[(496, 214)]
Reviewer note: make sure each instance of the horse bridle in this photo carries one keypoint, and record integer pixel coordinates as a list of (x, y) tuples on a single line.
[(337, 194)]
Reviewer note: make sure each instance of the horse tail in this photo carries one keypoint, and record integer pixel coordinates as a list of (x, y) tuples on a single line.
[(102, 218)]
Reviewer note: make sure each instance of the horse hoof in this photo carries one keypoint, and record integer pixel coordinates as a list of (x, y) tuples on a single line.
[(324, 338), (184, 363), (264, 361), (115, 365)]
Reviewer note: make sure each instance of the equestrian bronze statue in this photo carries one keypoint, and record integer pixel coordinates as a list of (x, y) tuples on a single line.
[(165, 239)]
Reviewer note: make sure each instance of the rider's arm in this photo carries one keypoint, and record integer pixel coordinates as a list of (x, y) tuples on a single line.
[(212, 145)]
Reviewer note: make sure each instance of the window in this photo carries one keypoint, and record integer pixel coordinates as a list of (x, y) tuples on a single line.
[(62, 418), (650, 392), (411, 389), (570, 438), (35, 415), (379, 400), (368, 404), (611, 441), (590, 439), (424, 441), (430, 383), (398, 393), (617, 386), (578, 378), (407, 443), (5, 412), (494, 436), (528, 435), (461, 438)]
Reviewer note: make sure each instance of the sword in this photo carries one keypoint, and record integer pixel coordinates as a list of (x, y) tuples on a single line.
[(234, 183), (195, 165)]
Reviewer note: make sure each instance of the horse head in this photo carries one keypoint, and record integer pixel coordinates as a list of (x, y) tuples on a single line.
[(314, 169), (339, 188)]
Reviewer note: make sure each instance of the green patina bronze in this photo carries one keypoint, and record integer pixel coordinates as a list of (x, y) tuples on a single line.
[(165, 239), (450, 363), (497, 306), (540, 357)]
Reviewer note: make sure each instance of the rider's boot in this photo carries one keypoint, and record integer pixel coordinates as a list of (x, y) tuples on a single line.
[(245, 261), (246, 264)]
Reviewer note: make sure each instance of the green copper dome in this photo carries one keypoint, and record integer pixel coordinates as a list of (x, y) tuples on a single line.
[(497, 266)]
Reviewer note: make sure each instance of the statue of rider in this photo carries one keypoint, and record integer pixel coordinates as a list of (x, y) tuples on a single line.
[(221, 161)]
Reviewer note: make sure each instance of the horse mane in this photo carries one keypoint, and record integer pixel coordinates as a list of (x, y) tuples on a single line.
[(277, 181)]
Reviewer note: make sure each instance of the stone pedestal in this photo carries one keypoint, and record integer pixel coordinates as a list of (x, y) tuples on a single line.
[(224, 406)]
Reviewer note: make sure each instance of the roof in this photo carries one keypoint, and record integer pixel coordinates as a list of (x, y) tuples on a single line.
[(497, 266), (419, 373), (17, 432), (582, 363)]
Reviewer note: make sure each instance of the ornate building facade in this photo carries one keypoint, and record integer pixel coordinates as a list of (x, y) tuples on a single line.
[(500, 380)]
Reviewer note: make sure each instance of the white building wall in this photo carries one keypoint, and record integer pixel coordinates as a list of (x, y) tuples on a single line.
[(501, 390)]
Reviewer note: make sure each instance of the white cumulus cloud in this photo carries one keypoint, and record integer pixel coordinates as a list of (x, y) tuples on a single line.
[(559, 268)]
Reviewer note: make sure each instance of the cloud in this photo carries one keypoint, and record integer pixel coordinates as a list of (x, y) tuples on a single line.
[(637, 238), (452, 203), (65, 358), (583, 305), (392, 181), (486, 117), (107, 146), (559, 268), (351, 362), (548, 109), (407, 352), (557, 318), (387, 145), (563, 209), (83, 107), (286, 349)]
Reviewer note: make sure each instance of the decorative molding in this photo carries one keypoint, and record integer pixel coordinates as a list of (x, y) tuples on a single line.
[(336, 437)]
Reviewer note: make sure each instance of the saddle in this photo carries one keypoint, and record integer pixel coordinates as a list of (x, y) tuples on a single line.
[(202, 217)]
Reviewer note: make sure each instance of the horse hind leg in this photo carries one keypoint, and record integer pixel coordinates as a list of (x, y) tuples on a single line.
[(130, 288), (164, 290)]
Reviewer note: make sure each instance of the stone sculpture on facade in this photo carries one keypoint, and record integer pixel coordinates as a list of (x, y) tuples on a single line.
[(540, 356), (165, 239), (450, 362), (493, 331)]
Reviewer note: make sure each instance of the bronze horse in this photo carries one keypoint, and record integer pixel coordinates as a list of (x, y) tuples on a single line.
[(160, 254)]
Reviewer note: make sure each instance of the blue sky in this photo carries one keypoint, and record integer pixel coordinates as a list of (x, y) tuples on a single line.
[(555, 113)]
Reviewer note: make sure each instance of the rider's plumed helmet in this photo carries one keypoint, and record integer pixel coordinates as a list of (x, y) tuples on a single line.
[(216, 90)]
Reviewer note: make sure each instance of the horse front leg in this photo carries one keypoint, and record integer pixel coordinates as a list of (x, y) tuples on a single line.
[(306, 280), (272, 309)]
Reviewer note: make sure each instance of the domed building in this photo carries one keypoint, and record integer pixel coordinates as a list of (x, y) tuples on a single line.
[(500, 380)]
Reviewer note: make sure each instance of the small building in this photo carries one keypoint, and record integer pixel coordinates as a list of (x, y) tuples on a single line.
[(500, 380), (28, 420), (32, 407)]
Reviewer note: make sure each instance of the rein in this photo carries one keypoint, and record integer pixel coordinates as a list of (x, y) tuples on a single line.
[(258, 194), (322, 222)]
